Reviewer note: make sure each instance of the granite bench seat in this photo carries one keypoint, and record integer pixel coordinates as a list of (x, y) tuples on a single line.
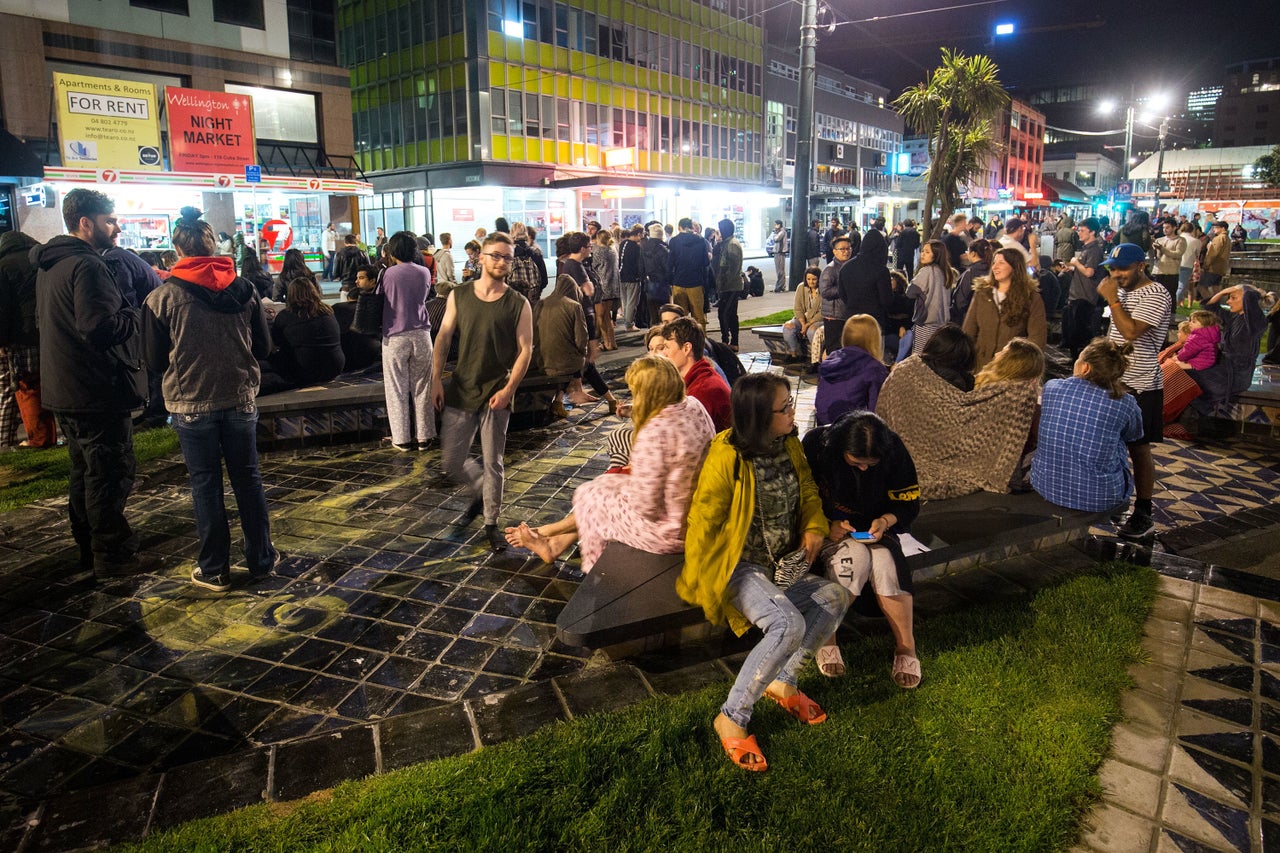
[(774, 342), (352, 407), (630, 595)]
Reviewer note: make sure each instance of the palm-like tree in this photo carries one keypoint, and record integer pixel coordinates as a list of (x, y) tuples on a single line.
[(957, 106)]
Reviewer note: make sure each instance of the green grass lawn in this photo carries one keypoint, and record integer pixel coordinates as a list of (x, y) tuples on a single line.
[(996, 751), (774, 319), (30, 475)]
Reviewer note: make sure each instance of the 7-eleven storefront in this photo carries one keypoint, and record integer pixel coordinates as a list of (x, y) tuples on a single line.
[(276, 214)]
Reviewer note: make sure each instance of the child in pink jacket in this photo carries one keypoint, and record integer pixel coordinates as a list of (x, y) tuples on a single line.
[(1200, 350)]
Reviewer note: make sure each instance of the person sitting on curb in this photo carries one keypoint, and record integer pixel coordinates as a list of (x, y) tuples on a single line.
[(868, 484), (643, 506), (850, 378), (755, 515), (1086, 425), (684, 345)]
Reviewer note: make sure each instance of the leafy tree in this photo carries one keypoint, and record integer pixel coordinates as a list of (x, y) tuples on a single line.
[(957, 106), (1267, 168)]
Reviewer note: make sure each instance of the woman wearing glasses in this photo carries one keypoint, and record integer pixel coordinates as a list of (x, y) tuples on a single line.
[(756, 504)]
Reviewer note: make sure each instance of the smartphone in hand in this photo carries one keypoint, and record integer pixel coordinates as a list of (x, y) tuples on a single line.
[(862, 536)]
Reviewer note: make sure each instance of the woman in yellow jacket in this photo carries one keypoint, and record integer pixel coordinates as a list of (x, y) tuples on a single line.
[(755, 503)]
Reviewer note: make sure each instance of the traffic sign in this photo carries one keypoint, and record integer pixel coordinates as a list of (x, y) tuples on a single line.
[(253, 174)]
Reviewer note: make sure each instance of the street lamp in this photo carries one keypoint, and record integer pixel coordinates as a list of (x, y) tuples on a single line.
[(1157, 102), (804, 138)]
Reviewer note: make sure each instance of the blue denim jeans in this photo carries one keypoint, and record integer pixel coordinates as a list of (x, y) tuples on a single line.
[(795, 621), (208, 439)]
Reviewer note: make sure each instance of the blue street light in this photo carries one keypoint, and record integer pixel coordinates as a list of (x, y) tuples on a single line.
[(1005, 29)]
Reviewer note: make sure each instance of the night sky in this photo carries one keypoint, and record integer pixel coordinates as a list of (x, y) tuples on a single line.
[(1177, 44)]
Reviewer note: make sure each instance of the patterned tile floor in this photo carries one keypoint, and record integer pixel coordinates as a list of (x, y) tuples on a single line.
[(386, 604)]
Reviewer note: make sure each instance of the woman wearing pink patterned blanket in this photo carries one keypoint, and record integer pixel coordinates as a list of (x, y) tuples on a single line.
[(645, 504)]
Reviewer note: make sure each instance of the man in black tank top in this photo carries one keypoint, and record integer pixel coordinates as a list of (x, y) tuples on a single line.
[(494, 327)]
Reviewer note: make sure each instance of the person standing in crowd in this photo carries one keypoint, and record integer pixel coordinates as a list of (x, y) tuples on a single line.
[(529, 270), (329, 241), (931, 289), (20, 348), (1140, 310), (1217, 260), (756, 502), (1065, 240), (445, 270), (728, 269), (572, 259), (834, 311), (1187, 265), (908, 244), (204, 330), (604, 263), (379, 240), (494, 333), (957, 241), (1169, 249), (980, 255), (92, 378), (813, 245), (629, 276), (866, 286), (829, 238), (655, 272), (406, 346), (1006, 305), (1082, 318), (1018, 236), (349, 259), (690, 261), (780, 249)]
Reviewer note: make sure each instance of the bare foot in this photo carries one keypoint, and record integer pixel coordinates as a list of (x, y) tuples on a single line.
[(516, 535), (546, 547), (583, 399), (780, 690)]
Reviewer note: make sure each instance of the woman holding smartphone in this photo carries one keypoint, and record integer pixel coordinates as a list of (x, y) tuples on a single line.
[(869, 490)]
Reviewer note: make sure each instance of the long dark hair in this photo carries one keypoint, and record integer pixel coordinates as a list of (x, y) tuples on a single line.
[(294, 266), (303, 298), (752, 403), (949, 349), (857, 433)]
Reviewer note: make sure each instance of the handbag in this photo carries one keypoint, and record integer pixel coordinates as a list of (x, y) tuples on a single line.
[(788, 568), (368, 317)]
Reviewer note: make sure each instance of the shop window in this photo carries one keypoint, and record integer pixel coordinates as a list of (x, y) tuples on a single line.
[(280, 114)]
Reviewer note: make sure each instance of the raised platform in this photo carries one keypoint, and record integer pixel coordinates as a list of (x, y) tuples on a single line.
[(629, 597)]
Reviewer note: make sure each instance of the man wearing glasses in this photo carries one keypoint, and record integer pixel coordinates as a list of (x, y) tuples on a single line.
[(834, 311), (494, 327)]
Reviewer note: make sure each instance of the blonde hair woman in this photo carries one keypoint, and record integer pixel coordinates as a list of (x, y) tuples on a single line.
[(1021, 360), (645, 504), (850, 378)]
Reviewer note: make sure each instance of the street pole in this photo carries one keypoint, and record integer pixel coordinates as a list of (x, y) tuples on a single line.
[(1164, 129), (1128, 139), (804, 140)]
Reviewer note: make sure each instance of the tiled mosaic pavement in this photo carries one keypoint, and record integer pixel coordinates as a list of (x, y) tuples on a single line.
[(387, 605)]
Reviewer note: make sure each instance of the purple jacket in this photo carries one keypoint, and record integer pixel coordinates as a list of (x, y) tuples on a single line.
[(849, 379)]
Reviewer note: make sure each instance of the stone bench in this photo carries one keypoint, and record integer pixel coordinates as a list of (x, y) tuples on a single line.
[(352, 407), (628, 602), (774, 342)]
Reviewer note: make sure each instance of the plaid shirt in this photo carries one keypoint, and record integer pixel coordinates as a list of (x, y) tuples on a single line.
[(1081, 460)]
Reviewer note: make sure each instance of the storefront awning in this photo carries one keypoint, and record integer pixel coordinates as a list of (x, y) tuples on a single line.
[(17, 160), (1063, 192), (202, 181)]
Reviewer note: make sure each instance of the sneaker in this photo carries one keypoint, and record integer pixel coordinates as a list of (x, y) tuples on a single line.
[(497, 542), (217, 583), (406, 448), (1138, 527)]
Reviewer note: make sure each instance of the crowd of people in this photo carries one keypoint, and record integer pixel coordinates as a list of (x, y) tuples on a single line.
[(929, 387)]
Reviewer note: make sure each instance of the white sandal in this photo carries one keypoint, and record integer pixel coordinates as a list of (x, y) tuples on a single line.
[(906, 671), (830, 661)]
